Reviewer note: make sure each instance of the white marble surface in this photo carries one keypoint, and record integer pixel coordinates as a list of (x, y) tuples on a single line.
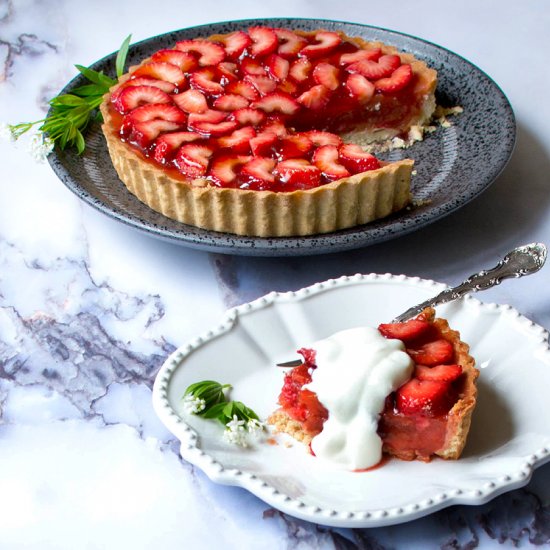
[(90, 308)]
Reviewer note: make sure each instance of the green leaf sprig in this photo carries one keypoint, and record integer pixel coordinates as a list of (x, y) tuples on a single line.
[(208, 399), (71, 113)]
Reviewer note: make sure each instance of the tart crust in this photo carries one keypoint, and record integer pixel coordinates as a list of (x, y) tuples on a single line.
[(338, 205), (345, 203), (458, 419)]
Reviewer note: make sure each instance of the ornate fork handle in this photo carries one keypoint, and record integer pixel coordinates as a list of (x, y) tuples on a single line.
[(521, 261)]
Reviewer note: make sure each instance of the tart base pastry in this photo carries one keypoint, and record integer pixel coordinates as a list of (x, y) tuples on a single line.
[(410, 436), (356, 200)]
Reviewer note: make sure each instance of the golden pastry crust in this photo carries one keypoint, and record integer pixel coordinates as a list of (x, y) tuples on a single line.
[(338, 205), (458, 418), (352, 201)]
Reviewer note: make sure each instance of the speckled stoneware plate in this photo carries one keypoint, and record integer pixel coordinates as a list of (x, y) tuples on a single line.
[(453, 165), (509, 437)]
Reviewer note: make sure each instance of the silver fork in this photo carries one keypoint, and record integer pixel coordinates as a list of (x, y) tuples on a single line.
[(523, 260)]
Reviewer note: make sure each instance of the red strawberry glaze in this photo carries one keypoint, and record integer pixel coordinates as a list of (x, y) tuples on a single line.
[(270, 78), (420, 425)]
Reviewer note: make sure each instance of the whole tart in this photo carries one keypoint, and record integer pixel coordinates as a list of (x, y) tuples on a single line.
[(428, 415), (260, 132)]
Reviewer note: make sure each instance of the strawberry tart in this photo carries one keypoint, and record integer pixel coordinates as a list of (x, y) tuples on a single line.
[(260, 132), (404, 389)]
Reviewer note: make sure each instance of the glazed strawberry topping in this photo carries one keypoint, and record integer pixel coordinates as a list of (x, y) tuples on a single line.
[(269, 97)]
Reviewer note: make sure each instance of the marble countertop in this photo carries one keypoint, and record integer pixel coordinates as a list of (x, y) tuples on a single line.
[(90, 308)]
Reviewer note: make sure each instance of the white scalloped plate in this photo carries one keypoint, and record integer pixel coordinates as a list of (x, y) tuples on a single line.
[(510, 433)]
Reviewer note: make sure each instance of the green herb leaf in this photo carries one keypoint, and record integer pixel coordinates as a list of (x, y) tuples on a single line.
[(121, 56), (71, 113), (215, 412), (217, 406), (96, 77)]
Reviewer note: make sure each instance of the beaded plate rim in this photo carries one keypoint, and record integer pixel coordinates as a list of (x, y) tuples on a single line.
[(190, 441)]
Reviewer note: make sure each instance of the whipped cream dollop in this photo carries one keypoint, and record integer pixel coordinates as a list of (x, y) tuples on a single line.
[(356, 370)]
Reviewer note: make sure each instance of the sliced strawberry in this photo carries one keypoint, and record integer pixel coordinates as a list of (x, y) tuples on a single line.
[(225, 169), (428, 397), (356, 160), (257, 174), (248, 116), (264, 144), (193, 159), (235, 43), (288, 86), (204, 80), (433, 353), (161, 111), (399, 79), (320, 138), (299, 173), (275, 126), (264, 41), (326, 159), (253, 67), (326, 42), (300, 69), (167, 144), (278, 67), (167, 87), (360, 88), (372, 54), (263, 84), (277, 102), (294, 146), (230, 102), (208, 53), (442, 373), (289, 43), (227, 72), (327, 75), (239, 140), (407, 331), (241, 87), (315, 98), (143, 133), (191, 101), (134, 96), (162, 71), (207, 116), (213, 129), (185, 61), (374, 70)]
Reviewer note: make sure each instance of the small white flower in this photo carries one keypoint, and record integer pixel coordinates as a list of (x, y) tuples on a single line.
[(192, 404), (235, 432), (6, 132), (255, 427), (40, 147)]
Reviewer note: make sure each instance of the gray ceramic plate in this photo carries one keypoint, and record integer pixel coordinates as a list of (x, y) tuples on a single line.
[(453, 165)]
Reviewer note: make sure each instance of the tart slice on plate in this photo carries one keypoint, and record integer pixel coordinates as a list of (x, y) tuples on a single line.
[(407, 390), (260, 132)]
